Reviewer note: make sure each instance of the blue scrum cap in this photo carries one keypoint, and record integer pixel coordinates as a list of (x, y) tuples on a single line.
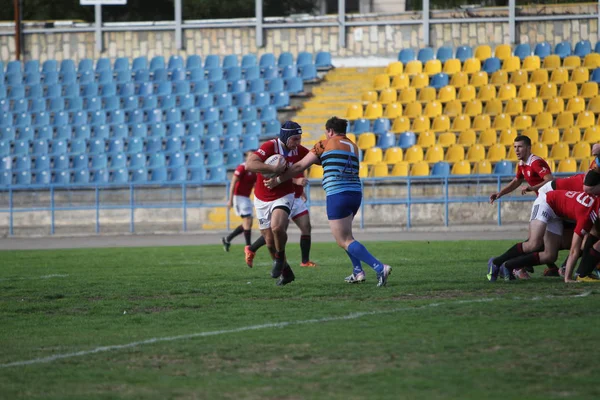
[(288, 129)]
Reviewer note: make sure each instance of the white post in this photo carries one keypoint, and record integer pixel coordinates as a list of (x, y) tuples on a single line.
[(426, 22), (178, 30), (342, 22), (98, 27), (511, 20), (258, 6)]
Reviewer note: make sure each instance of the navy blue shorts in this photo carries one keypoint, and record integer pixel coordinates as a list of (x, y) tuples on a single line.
[(341, 205)]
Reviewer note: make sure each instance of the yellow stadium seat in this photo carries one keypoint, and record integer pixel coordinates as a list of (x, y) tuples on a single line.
[(382, 81), (392, 110), (502, 121), (584, 165), (472, 65), (373, 111), (413, 67), (568, 90), (571, 135), (479, 79), (581, 150), (482, 167), (467, 138), (446, 94), (379, 170), (433, 109), (363, 170), (354, 111), (467, 93), (394, 68), (433, 67), (413, 154), (420, 81), (591, 134), (543, 120), (487, 137), (559, 75), (559, 151), (503, 51), (426, 139), (408, 95), (594, 105), (453, 108), (571, 62), (511, 156), (387, 96), (564, 120), (567, 165), (401, 125), (507, 137), (441, 123), (446, 139), (551, 61), (481, 122), (576, 104), (552, 165), (493, 107), (585, 119), (413, 110), (592, 61), (427, 94), (483, 52), (499, 77), (421, 124), (550, 136), (506, 92), (532, 133), (400, 81), (514, 107), (512, 63), (519, 78), (527, 91), (531, 63), (461, 123), (400, 169), (315, 172), (420, 168), (486, 93), (350, 136), (496, 152), (455, 153), (372, 155), (459, 79), (539, 77), (366, 140), (434, 154), (547, 91), (588, 90), (522, 122), (461, 168), (540, 150), (392, 155), (555, 105), (473, 107), (452, 66), (476, 153), (369, 97), (534, 106), (580, 75)]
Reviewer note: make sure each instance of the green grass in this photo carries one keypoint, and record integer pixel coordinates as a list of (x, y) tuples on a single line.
[(439, 330)]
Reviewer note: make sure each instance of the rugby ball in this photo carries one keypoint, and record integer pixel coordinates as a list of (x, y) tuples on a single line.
[(275, 159)]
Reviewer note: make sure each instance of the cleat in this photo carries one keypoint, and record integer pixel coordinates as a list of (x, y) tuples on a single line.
[(226, 244), (562, 271), (506, 274), (249, 256), (588, 279), (550, 271), (308, 264), (383, 276), (356, 278), (596, 274), (521, 274), (277, 269), (493, 270), (287, 276)]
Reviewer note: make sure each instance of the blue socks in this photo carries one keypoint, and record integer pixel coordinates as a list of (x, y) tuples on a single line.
[(357, 250), (357, 267)]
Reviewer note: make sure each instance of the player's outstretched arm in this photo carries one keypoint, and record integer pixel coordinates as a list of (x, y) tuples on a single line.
[(574, 254), (512, 185), (294, 170)]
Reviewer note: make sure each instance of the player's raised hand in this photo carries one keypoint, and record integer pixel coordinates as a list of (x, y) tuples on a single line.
[(494, 197)]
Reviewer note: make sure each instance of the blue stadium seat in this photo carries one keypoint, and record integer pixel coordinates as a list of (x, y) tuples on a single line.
[(215, 129), (158, 174), (156, 160), (58, 147), (233, 74), (191, 115), (425, 54), (250, 142), (267, 60), (16, 92), (463, 53), (275, 85), (595, 75), (215, 74), (406, 55), (25, 132), (13, 79), (172, 115), (211, 143), (64, 132), (361, 125), (406, 140), (582, 48), (230, 60), (253, 127), (60, 118), (101, 175), (101, 131), (98, 117), (212, 61), (224, 100), (175, 62), (158, 130), (53, 91), (87, 77), (23, 178), (154, 144), (139, 130), (82, 132), (229, 113), (13, 67), (77, 146), (251, 73), (60, 162), (304, 58), (231, 143), (97, 146), (597, 47), (23, 119), (20, 106), (197, 174), (233, 158), (167, 101), (105, 77), (281, 100), (563, 49), (218, 87), (186, 101), (268, 113), (122, 77), (119, 176), (234, 128), (242, 99), (50, 66), (119, 131), (7, 133), (285, 58), (217, 174), (491, 65), (90, 90), (178, 174), (76, 103), (196, 129), (163, 89), (504, 168), (542, 50), (141, 75), (61, 177), (173, 144), (176, 129), (6, 178), (85, 65), (261, 99), (31, 66), (91, 104), (111, 103), (122, 63), (211, 114), (441, 168), (33, 78), (294, 85), (323, 61), (273, 72), (23, 163), (33, 92), (137, 160), (130, 103), (117, 161), (116, 117), (249, 60), (193, 61), (4, 148), (67, 77), (181, 88), (205, 100), (289, 71), (444, 53), (272, 127), (142, 89), (138, 63), (80, 161), (438, 81), (215, 159), (41, 162), (176, 159), (79, 118), (100, 161), (160, 75), (381, 126), (257, 85), (192, 143), (139, 175), (103, 64), (196, 75)]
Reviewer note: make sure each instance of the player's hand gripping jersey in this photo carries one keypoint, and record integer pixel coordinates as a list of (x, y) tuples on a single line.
[(339, 158)]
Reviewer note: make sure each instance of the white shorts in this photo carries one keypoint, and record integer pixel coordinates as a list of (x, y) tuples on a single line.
[(299, 208), (242, 206), (546, 188), (264, 209), (541, 211)]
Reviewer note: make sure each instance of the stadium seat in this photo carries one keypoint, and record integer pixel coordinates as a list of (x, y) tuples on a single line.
[(581, 150), (504, 168), (476, 153), (542, 50), (420, 168), (413, 154), (440, 168), (426, 139), (406, 140), (496, 152), (493, 106), (393, 155), (434, 154), (419, 81), (473, 107), (400, 168), (463, 53), (392, 111), (372, 155), (487, 137), (453, 108), (514, 107), (540, 150)]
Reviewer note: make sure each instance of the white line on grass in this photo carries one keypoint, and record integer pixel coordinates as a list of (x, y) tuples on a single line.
[(258, 327), (35, 278)]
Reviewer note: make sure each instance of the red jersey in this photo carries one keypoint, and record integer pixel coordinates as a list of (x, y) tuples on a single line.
[(298, 189), (574, 183), (533, 170), (575, 205), (274, 146), (246, 181)]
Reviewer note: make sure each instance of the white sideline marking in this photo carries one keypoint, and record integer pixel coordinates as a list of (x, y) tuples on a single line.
[(40, 277), (258, 327)]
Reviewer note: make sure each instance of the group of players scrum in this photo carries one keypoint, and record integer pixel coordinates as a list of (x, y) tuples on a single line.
[(563, 216)]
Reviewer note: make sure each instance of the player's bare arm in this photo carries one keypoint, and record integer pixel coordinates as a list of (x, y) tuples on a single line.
[(547, 178), (255, 164), (294, 170), (234, 180), (574, 254), (512, 185)]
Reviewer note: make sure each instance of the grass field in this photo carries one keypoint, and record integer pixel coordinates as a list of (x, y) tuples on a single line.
[(196, 323)]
